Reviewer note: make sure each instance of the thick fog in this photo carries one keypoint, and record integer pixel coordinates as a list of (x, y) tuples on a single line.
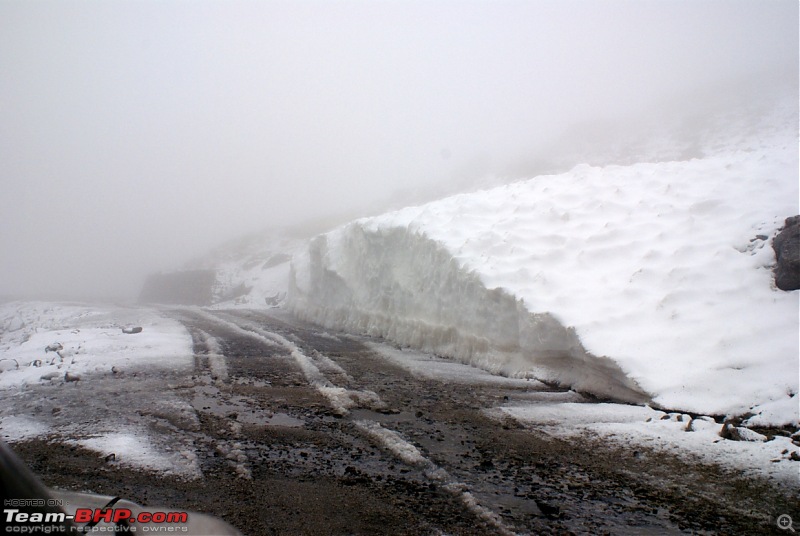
[(136, 135)]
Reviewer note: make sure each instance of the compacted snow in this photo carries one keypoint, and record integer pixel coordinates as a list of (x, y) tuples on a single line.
[(648, 282)]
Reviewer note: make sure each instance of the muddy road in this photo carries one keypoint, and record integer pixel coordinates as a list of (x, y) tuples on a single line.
[(301, 431)]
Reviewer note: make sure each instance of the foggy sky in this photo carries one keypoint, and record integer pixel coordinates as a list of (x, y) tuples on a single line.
[(135, 135)]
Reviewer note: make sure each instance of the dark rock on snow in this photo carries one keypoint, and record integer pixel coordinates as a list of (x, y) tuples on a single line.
[(787, 254), (132, 330), (740, 433), (69, 377)]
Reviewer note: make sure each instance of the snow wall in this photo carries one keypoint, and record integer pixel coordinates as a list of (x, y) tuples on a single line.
[(398, 284)]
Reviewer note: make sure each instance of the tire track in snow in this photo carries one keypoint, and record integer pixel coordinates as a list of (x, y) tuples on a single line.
[(215, 359), (411, 455), (211, 363), (232, 326), (343, 399)]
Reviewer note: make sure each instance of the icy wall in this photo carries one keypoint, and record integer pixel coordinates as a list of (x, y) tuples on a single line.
[(398, 284)]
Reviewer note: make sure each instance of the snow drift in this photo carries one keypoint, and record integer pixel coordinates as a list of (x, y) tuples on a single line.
[(402, 286), (645, 281)]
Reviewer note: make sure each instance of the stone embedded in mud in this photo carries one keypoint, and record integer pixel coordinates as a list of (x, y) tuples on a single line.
[(787, 255)]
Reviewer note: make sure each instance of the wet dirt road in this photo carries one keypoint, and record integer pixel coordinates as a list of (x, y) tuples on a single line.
[(300, 431)]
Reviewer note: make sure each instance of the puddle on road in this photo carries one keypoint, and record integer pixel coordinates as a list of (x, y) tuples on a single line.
[(208, 399)]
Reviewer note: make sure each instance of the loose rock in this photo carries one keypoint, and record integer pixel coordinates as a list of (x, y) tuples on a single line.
[(8, 364), (740, 433), (787, 255)]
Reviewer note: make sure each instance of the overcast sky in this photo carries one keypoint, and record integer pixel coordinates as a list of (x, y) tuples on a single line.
[(134, 135)]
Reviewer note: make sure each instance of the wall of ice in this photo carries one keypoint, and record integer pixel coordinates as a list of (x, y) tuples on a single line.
[(400, 285)]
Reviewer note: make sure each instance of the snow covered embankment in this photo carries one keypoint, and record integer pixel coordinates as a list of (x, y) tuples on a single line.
[(400, 285), (620, 281)]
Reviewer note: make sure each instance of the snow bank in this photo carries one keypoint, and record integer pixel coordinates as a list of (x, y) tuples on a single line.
[(648, 280), (404, 287)]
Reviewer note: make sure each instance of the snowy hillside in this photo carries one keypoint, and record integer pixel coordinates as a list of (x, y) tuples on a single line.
[(252, 272), (647, 281)]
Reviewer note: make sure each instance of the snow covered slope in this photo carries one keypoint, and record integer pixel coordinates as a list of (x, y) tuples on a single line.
[(252, 272), (651, 280)]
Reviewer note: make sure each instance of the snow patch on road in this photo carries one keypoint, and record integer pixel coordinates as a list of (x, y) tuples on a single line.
[(81, 380), (91, 341), (21, 427), (134, 449), (636, 428), (431, 367)]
